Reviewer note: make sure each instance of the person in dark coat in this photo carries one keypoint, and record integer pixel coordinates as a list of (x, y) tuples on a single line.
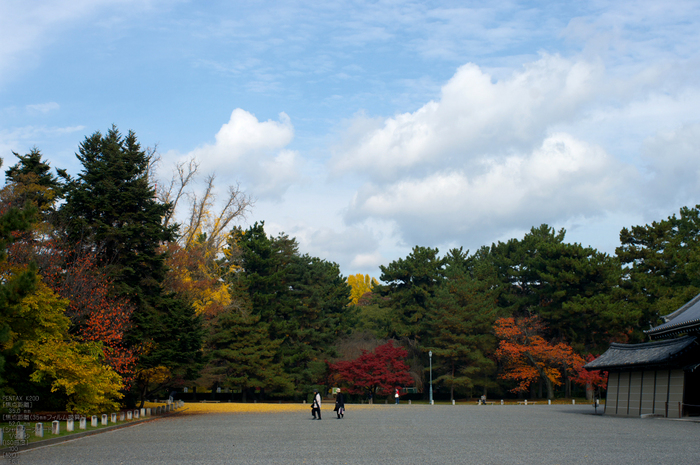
[(340, 404)]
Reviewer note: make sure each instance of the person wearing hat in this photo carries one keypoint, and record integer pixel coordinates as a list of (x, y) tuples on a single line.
[(316, 405)]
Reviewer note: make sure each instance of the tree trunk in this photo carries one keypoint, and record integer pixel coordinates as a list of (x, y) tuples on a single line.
[(550, 388), (543, 377)]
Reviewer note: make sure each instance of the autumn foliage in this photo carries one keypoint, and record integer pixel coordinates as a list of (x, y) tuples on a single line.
[(378, 372), (594, 379), (527, 357), (96, 314)]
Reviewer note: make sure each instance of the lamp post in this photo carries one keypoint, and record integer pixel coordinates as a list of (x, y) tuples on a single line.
[(430, 358)]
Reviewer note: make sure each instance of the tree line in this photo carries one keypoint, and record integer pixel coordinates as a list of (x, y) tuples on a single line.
[(108, 298)]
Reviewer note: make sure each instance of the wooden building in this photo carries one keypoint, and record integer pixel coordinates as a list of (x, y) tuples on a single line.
[(661, 377)]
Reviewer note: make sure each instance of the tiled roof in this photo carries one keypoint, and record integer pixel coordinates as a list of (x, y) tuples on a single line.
[(682, 320), (657, 353)]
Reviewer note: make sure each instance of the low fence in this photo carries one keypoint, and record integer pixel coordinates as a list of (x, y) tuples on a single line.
[(18, 434)]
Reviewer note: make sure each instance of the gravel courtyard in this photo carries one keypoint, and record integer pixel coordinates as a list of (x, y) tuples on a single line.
[(389, 434)]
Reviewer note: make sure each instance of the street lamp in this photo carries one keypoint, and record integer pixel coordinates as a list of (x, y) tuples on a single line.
[(430, 358)]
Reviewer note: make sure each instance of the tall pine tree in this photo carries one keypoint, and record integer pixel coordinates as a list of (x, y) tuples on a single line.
[(111, 207)]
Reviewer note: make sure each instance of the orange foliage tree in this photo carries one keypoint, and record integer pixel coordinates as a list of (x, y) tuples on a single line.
[(527, 357), (96, 314)]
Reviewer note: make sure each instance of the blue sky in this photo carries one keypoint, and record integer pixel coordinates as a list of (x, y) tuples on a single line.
[(365, 128)]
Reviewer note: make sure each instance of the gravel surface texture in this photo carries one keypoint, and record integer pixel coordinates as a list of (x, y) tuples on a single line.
[(390, 434)]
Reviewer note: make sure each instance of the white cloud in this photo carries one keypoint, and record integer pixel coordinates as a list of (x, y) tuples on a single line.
[(561, 178), (253, 152), (43, 108), (475, 117), (27, 28), (368, 261), (673, 166), (558, 139)]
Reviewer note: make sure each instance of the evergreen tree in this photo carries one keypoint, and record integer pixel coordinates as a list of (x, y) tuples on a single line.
[(662, 264), (300, 300), (13, 287), (32, 181), (319, 296), (244, 356), (111, 208), (462, 313), (410, 284), (574, 289)]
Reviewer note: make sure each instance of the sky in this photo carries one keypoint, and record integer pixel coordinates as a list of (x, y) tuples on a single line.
[(365, 128)]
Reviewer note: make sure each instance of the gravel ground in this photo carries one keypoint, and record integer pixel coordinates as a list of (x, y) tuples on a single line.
[(390, 434)]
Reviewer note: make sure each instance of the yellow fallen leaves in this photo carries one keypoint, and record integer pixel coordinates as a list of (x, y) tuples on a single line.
[(195, 408)]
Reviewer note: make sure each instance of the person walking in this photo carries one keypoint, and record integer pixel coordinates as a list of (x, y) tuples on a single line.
[(340, 404), (316, 405), (396, 395)]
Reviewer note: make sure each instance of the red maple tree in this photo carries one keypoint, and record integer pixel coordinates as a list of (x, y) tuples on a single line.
[(378, 372), (593, 379)]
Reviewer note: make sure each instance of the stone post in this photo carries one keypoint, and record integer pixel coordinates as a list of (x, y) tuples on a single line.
[(39, 430), (114, 417), (55, 427), (453, 401), (20, 434), (501, 401), (148, 411), (70, 425), (93, 421), (129, 415), (83, 422), (525, 401), (136, 414), (121, 416), (104, 419), (143, 412), (573, 401), (549, 401)]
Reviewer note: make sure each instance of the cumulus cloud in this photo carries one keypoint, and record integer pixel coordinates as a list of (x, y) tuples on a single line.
[(475, 116), (254, 152), (354, 245), (487, 157), (561, 178)]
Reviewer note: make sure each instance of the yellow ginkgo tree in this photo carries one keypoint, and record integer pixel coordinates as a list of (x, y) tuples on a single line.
[(72, 368), (360, 285)]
